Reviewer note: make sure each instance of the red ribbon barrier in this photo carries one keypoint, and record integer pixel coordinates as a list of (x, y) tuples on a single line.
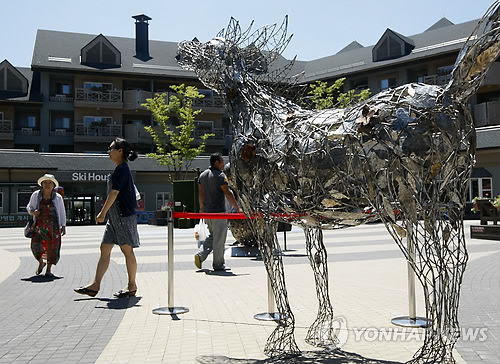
[(222, 215), (207, 215)]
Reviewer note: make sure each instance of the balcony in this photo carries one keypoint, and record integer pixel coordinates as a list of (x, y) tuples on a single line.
[(61, 133), (27, 132), (6, 130), (62, 99), (97, 133), (439, 80), (133, 99), (111, 99), (487, 113), (218, 139), (492, 78), (212, 104), (135, 133)]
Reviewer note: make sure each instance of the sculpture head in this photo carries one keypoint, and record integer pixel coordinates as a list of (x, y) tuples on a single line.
[(234, 56)]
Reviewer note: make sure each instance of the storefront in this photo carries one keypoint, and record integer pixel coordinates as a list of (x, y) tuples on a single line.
[(83, 178)]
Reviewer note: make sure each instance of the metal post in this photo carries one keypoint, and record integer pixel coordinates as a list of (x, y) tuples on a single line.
[(411, 320), (170, 310), (270, 315)]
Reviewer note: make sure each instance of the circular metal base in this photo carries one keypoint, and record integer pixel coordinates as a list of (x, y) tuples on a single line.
[(266, 316), (407, 321), (170, 310)]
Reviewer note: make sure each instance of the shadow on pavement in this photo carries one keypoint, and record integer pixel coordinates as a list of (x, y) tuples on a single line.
[(40, 279), (114, 303), (307, 357)]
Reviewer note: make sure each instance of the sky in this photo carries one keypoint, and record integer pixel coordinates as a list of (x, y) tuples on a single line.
[(319, 28)]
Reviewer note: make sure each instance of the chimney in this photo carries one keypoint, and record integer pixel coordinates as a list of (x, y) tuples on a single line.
[(142, 37)]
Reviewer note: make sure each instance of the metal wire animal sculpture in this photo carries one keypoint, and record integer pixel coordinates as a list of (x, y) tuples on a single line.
[(410, 148)]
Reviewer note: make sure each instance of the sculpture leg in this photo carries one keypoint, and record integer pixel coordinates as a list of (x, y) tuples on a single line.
[(323, 332), (281, 342), (441, 262)]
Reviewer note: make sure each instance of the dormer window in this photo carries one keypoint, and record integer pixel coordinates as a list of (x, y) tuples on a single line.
[(392, 45), (11, 80), (101, 53)]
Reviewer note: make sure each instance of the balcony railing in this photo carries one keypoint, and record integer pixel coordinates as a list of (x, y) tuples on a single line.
[(96, 133), (133, 99), (217, 139), (86, 97), (27, 132), (212, 104), (135, 133), (487, 113), (62, 99), (61, 133), (6, 131), (439, 80)]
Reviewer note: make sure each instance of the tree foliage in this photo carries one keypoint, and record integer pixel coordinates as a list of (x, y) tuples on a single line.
[(324, 96), (174, 143)]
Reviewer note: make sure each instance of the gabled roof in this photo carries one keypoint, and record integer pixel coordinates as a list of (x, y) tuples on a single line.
[(392, 45), (350, 46), (33, 92), (439, 41), (441, 23), (12, 82), (100, 53), (61, 50)]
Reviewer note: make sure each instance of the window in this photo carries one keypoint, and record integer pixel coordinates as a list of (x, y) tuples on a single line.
[(359, 84), (162, 199), (63, 88), (98, 86), (1, 201), (480, 187), (60, 120), (28, 120), (1, 115), (23, 198), (387, 83)]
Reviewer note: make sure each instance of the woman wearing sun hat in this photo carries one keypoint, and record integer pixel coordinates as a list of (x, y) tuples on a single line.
[(47, 208)]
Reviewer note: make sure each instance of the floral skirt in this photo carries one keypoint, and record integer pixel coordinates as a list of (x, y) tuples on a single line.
[(46, 242)]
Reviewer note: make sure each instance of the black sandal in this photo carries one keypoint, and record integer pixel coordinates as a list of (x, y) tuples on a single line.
[(85, 290), (122, 293)]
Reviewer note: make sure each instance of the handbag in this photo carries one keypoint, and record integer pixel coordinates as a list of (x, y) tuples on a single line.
[(28, 229)]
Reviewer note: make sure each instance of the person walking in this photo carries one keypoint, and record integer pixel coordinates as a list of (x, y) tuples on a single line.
[(213, 190), (49, 215), (121, 227)]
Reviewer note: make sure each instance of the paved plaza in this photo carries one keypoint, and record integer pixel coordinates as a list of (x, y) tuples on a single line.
[(44, 321)]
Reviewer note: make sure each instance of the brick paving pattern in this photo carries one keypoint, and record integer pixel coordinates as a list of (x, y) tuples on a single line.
[(43, 320)]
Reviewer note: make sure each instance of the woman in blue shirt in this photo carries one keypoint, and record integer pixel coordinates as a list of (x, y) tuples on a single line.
[(121, 227)]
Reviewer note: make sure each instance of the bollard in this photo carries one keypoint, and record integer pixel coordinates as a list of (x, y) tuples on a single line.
[(411, 320), (270, 315), (170, 310)]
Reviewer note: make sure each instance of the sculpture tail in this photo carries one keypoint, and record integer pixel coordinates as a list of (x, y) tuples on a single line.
[(481, 49)]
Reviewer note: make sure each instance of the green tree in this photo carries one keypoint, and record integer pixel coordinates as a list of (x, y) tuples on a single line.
[(324, 96), (174, 144)]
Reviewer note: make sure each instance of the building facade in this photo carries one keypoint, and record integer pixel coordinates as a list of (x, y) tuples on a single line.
[(83, 90)]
